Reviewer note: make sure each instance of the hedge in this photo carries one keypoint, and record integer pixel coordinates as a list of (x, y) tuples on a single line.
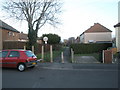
[(89, 48)]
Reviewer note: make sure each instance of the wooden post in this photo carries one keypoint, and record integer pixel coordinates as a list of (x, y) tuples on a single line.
[(62, 57), (71, 49), (42, 52), (24, 47), (51, 54), (33, 49), (103, 56), (72, 56)]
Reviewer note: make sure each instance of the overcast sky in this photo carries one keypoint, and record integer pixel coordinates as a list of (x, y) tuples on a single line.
[(77, 16)]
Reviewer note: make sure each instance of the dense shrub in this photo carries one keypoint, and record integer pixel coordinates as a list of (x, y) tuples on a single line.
[(89, 48)]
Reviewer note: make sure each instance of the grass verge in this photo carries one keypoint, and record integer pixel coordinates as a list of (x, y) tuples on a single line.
[(47, 55)]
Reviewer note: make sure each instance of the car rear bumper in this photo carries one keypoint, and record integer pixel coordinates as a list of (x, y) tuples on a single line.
[(32, 63)]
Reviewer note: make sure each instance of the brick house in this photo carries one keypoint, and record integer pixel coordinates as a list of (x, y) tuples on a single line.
[(117, 27), (96, 34), (8, 33), (23, 37)]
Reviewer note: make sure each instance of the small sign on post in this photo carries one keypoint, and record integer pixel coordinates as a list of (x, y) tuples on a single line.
[(45, 39)]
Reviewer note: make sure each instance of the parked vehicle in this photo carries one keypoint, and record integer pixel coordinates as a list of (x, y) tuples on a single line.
[(20, 59)]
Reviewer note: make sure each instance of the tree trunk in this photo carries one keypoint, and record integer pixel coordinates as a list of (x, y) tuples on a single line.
[(32, 36)]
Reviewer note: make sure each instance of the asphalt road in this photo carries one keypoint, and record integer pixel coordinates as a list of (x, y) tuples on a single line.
[(57, 75)]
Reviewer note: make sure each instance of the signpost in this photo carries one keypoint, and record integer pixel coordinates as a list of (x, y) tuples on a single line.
[(45, 39)]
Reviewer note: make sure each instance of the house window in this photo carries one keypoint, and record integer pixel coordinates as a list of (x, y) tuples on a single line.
[(13, 34), (10, 33)]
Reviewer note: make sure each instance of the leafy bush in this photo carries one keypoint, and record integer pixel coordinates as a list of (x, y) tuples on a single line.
[(89, 48), (52, 38)]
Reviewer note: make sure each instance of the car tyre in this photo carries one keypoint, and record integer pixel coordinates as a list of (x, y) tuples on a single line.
[(21, 67)]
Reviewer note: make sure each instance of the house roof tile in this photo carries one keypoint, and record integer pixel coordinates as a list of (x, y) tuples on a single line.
[(3, 25), (117, 25), (97, 28)]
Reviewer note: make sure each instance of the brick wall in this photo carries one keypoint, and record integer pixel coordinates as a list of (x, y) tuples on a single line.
[(108, 56)]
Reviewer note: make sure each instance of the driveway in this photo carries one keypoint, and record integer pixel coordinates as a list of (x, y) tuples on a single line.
[(85, 59)]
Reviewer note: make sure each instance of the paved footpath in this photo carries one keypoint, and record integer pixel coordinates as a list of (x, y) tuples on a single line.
[(66, 54)]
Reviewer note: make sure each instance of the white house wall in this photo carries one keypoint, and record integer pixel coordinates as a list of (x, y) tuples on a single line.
[(82, 38), (103, 36)]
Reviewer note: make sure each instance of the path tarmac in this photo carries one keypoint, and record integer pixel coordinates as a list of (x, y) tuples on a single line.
[(66, 56)]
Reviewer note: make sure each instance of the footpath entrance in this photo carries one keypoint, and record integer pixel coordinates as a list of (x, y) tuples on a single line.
[(63, 57), (67, 58)]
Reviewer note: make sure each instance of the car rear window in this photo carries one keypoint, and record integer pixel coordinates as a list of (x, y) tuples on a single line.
[(30, 54), (3, 53)]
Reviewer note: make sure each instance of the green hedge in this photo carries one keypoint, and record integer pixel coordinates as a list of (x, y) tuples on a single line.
[(89, 48)]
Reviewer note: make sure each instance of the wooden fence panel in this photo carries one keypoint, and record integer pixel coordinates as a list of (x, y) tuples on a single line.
[(13, 45)]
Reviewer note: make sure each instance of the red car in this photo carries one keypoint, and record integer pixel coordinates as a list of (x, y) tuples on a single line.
[(20, 59)]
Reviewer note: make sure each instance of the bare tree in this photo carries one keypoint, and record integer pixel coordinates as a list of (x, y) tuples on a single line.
[(36, 12)]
